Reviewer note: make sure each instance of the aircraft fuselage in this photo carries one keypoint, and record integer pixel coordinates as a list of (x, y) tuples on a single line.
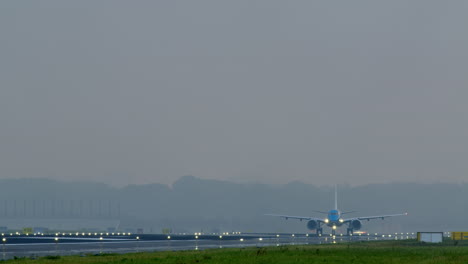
[(334, 219)]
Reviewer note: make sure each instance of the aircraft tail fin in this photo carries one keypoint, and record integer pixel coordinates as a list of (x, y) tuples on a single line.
[(336, 199)]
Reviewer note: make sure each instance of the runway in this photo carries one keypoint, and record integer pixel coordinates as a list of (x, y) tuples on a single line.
[(70, 244)]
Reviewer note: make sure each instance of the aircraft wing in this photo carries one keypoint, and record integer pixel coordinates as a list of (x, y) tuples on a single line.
[(373, 217), (308, 218)]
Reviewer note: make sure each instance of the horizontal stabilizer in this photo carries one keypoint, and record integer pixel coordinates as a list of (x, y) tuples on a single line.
[(320, 212)]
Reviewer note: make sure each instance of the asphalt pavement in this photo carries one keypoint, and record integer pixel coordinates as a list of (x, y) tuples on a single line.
[(33, 246)]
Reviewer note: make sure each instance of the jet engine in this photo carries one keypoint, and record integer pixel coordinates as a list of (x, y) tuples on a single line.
[(312, 224), (356, 224)]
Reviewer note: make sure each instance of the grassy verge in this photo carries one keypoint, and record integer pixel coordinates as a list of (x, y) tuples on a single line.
[(408, 251)]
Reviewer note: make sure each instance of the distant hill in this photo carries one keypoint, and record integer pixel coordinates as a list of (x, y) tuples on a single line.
[(192, 204)]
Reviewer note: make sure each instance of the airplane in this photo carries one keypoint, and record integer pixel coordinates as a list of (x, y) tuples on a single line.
[(334, 219)]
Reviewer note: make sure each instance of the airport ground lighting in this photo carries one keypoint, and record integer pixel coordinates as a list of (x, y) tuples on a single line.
[(137, 243), (100, 245), (56, 243), (3, 246)]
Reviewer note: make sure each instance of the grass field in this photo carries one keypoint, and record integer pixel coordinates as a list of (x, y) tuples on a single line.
[(408, 251)]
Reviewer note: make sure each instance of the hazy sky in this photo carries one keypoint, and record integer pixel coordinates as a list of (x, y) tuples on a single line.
[(270, 91)]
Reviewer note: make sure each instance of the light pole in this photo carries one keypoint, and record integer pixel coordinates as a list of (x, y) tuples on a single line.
[(56, 244), (138, 243), (196, 242), (169, 242), (100, 244), (3, 242), (220, 238)]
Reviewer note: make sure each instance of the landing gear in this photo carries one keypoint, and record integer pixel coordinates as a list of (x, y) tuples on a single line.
[(349, 231), (319, 231), (333, 232)]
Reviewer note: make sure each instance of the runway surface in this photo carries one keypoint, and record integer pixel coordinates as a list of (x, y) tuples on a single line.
[(33, 246)]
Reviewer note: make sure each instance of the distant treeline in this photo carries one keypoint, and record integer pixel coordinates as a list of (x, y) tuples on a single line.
[(59, 208), (192, 204)]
